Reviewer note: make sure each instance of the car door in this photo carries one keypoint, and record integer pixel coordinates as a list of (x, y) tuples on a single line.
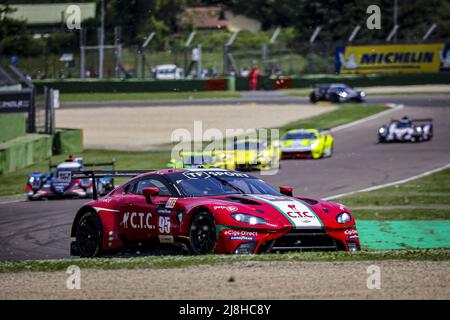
[(137, 217), (163, 221)]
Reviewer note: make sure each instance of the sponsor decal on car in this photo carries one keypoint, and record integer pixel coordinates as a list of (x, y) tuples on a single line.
[(228, 208), (242, 238), (164, 211), (238, 233), (64, 176), (196, 174), (351, 233), (166, 239), (164, 224), (298, 213), (207, 174), (137, 220), (171, 203)]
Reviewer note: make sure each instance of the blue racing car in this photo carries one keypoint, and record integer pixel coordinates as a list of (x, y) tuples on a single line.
[(57, 183)]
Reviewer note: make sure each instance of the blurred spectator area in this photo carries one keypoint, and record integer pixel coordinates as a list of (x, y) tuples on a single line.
[(217, 17)]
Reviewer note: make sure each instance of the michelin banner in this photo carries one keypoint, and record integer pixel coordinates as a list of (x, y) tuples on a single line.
[(393, 58)]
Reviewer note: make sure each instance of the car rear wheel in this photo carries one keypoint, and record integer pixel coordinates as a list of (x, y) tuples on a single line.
[(202, 233), (330, 151), (89, 235)]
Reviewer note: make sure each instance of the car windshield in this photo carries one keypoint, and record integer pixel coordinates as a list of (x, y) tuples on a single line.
[(197, 159), (300, 135), (404, 124), (214, 183), (58, 170), (249, 145)]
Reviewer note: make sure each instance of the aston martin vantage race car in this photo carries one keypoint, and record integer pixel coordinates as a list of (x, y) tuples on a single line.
[(206, 211), (58, 183), (307, 143), (336, 92), (406, 130)]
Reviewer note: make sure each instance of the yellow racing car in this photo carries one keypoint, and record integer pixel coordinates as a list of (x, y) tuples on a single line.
[(249, 154), (306, 143)]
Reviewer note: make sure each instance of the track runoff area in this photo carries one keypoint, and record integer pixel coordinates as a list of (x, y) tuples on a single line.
[(40, 230)]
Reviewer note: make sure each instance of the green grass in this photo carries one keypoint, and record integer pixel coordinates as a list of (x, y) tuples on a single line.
[(298, 92), (162, 262), (429, 190), (343, 114), (130, 96), (401, 214)]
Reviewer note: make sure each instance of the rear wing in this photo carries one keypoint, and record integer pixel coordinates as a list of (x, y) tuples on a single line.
[(415, 120), (422, 120), (97, 174), (98, 164)]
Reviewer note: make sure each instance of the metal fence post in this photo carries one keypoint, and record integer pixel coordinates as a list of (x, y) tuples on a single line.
[(32, 112), (46, 108), (52, 112)]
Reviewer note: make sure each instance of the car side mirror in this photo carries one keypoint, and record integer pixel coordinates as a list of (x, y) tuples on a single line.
[(287, 191), (149, 193)]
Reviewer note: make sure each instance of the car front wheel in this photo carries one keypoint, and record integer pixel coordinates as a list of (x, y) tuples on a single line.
[(202, 233)]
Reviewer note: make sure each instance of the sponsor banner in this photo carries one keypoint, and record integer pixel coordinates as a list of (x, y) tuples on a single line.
[(393, 58), (16, 101)]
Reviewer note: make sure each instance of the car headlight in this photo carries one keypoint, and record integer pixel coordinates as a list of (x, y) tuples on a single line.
[(315, 144), (381, 130), (419, 129), (344, 217), (263, 154), (343, 94), (247, 218), (362, 94)]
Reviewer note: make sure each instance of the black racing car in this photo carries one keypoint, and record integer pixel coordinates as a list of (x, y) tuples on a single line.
[(406, 130), (336, 92)]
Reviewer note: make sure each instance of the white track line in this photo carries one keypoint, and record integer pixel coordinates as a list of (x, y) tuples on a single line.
[(393, 107), (11, 201), (427, 173)]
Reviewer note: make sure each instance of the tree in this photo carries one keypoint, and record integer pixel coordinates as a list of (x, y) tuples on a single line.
[(15, 39)]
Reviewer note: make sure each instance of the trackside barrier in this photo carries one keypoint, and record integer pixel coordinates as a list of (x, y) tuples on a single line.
[(241, 83)]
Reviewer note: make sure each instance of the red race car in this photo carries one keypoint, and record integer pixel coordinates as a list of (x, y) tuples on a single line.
[(205, 211)]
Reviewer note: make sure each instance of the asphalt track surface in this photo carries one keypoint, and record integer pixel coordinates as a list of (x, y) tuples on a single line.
[(40, 230)]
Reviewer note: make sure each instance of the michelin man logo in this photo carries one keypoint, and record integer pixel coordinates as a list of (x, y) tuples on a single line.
[(445, 58), (349, 64)]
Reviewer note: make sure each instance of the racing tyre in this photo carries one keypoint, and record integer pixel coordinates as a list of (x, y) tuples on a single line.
[(202, 233), (334, 98), (330, 152), (88, 236)]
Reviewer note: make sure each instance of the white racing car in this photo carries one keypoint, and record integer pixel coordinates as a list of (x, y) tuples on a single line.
[(406, 130)]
